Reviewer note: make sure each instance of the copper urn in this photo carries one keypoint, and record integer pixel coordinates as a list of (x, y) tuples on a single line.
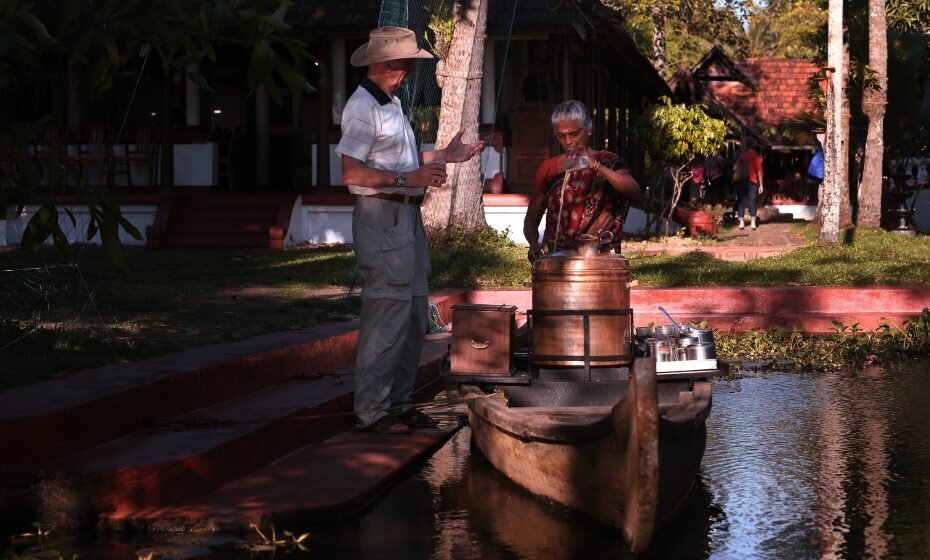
[(581, 312)]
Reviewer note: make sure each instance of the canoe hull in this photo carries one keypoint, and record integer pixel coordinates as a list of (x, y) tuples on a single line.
[(628, 465)]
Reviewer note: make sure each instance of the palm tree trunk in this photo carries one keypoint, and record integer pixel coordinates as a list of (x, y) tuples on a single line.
[(845, 185), (460, 202), (874, 100), (834, 151), (658, 40)]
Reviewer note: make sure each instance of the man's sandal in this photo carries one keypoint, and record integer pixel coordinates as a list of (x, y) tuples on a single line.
[(416, 419), (388, 425)]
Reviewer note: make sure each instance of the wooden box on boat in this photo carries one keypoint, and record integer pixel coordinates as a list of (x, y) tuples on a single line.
[(482, 339)]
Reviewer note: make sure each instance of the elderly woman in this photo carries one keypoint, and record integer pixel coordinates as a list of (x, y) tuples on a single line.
[(593, 199)]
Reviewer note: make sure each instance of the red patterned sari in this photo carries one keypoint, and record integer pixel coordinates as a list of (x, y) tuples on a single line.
[(588, 203)]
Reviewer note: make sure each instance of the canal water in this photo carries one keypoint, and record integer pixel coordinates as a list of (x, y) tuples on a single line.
[(797, 466)]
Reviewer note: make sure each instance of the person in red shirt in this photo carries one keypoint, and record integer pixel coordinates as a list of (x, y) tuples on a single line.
[(747, 178), (593, 199)]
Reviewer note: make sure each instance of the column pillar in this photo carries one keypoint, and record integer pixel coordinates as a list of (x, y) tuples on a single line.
[(191, 99), (262, 136), (488, 85)]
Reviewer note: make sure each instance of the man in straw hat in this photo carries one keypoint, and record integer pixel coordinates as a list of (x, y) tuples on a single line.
[(381, 164)]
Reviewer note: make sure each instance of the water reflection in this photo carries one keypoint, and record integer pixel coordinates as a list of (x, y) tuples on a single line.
[(822, 466)]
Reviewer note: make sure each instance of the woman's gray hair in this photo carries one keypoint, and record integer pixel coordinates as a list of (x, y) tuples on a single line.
[(572, 110)]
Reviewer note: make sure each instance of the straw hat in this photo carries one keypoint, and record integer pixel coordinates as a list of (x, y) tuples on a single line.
[(388, 43)]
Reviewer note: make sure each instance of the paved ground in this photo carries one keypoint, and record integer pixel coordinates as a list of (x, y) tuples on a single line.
[(772, 238)]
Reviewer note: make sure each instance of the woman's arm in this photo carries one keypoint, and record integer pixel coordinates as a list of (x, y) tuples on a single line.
[(534, 213), (621, 181)]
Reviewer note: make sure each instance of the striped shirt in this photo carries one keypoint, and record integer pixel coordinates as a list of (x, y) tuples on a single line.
[(376, 132)]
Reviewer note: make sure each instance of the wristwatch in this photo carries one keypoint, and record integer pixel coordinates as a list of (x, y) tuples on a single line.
[(400, 180)]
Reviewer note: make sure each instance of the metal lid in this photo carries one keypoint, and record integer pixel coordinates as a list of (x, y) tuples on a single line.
[(572, 261), (484, 307)]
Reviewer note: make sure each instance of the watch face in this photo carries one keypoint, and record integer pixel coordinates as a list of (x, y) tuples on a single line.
[(400, 180)]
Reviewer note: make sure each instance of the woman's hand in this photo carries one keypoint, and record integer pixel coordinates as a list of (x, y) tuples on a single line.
[(534, 252)]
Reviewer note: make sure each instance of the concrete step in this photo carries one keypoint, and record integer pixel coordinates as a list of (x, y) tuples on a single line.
[(260, 212), (198, 452), (50, 420), (318, 482), (222, 239)]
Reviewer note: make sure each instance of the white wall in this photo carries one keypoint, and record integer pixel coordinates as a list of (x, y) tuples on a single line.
[(333, 224), (12, 228), (327, 224)]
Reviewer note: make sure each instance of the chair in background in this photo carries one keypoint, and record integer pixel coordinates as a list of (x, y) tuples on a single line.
[(140, 151), (48, 153), (228, 141), (95, 155)]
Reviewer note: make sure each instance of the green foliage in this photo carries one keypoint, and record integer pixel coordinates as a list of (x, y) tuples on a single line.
[(673, 135), (272, 542), (691, 27), (787, 29), (103, 39), (677, 133), (911, 15), (441, 26), (850, 347)]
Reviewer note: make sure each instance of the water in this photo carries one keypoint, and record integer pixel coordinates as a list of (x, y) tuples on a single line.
[(797, 466)]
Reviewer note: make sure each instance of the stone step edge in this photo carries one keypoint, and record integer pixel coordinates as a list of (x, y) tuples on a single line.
[(161, 484), (308, 486)]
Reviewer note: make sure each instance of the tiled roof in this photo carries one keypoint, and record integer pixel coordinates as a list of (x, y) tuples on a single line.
[(783, 91)]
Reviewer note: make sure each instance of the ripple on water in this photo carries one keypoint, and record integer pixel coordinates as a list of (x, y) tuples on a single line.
[(821, 464)]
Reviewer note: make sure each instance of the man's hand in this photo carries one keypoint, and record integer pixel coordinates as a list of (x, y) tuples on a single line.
[(457, 152), (430, 175)]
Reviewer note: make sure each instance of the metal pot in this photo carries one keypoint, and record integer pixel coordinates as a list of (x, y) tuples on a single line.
[(569, 286), (703, 351), (686, 340), (644, 332), (703, 336), (666, 330)]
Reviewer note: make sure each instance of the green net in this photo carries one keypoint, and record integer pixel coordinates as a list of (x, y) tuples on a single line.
[(420, 95)]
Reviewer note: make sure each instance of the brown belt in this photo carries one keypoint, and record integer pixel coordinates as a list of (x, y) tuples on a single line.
[(402, 198)]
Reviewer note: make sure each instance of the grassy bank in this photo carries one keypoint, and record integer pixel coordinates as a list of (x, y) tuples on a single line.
[(55, 319)]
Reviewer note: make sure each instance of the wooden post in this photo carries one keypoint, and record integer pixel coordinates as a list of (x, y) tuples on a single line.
[(324, 90), (612, 136), (167, 131)]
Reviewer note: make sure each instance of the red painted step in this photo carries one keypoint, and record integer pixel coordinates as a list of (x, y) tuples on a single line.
[(315, 483), (222, 220), (218, 444), (49, 420)]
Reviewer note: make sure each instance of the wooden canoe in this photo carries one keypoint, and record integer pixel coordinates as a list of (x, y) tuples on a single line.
[(624, 452)]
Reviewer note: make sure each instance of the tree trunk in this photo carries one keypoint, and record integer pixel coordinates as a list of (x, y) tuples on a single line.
[(845, 184), (834, 151), (459, 203), (874, 101), (658, 40)]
